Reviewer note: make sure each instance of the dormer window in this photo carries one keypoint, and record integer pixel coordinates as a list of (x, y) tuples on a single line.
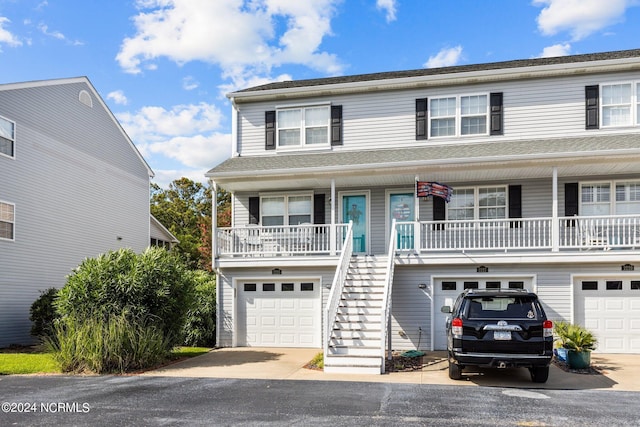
[(303, 127)]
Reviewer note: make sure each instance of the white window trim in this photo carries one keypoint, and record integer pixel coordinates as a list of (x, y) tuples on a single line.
[(303, 145), (286, 204), (458, 116), (634, 105), (612, 192), (476, 201), (12, 222), (15, 131)]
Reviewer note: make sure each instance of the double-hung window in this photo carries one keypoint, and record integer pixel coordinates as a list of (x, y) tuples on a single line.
[(458, 115), (478, 203), (7, 137), (620, 104), (7, 220), (303, 127), (596, 199), (286, 210)]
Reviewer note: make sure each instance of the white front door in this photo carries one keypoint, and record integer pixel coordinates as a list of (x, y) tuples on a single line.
[(610, 308), (283, 313)]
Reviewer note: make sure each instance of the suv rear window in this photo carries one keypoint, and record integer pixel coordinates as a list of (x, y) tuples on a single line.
[(512, 307)]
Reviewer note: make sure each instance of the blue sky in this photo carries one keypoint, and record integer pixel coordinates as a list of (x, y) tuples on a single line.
[(164, 66)]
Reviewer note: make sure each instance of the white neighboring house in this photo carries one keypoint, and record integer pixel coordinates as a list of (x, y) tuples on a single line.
[(540, 158), (73, 186), (160, 236)]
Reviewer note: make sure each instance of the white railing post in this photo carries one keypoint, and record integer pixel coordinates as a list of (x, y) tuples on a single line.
[(337, 285)]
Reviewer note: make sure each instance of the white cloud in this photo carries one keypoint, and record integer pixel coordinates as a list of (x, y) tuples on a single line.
[(445, 58), (580, 17), (7, 37), (187, 134), (118, 97), (204, 30), (190, 83), (389, 6), (163, 177), (556, 50)]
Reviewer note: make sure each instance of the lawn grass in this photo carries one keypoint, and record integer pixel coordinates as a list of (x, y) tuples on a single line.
[(36, 362)]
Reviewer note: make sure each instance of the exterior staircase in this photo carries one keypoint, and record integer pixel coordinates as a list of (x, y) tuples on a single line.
[(355, 344)]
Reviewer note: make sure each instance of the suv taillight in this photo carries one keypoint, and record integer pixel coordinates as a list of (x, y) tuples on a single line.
[(547, 329), (456, 326)]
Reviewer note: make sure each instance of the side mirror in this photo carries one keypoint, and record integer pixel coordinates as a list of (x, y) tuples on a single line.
[(445, 309)]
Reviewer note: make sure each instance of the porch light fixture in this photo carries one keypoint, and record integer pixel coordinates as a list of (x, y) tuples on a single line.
[(482, 269), (422, 286), (276, 271), (627, 267)]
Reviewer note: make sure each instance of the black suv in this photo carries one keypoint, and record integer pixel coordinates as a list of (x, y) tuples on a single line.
[(501, 328)]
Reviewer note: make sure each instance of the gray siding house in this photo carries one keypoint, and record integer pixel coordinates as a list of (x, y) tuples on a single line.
[(73, 186), (362, 204)]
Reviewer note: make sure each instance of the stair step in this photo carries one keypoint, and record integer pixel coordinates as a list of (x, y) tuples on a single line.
[(342, 334), (359, 318), (357, 311), (354, 351), (361, 303)]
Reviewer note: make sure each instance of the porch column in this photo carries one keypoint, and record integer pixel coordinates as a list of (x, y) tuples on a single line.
[(555, 223), (214, 223), (416, 210), (332, 234)]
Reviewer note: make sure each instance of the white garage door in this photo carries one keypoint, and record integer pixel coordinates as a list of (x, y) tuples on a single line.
[(279, 314), (610, 308), (447, 289)]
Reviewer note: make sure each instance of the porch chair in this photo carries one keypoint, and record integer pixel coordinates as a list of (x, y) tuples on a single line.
[(592, 236)]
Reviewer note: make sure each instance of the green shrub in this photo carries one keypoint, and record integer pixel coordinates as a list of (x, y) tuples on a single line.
[(43, 314), (200, 327), (121, 343), (154, 286)]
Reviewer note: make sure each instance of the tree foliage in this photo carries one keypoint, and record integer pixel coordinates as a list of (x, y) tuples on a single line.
[(185, 209)]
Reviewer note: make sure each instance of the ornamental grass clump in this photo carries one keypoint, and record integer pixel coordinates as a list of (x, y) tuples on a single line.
[(122, 311)]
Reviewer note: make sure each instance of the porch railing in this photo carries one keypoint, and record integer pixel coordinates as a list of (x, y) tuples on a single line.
[(577, 232), (385, 318), (303, 239), (337, 286)]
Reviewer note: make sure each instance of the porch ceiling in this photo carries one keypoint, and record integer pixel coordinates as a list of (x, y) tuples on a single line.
[(456, 163)]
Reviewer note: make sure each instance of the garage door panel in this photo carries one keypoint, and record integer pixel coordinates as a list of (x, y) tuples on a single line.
[(613, 315), (278, 317)]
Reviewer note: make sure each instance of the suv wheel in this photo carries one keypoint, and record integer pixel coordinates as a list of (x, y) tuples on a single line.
[(455, 371), (540, 374)]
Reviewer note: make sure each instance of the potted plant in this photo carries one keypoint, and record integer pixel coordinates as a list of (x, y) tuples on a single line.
[(579, 342)]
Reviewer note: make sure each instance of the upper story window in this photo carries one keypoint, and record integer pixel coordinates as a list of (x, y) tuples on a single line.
[(620, 104), (303, 127), (7, 220), (7, 137), (286, 210), (459, 115), (596, 198), (469, 204)]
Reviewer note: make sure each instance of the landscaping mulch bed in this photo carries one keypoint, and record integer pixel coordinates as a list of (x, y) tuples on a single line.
[(591, 370)]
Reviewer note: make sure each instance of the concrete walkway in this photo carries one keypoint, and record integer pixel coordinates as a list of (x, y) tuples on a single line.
[(619, 371)]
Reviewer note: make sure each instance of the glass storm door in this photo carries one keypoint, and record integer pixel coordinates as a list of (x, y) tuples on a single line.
[(354, 208), (401, 208)]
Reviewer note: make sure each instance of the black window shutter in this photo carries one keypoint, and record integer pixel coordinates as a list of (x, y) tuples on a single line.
[(254, 210), (515, 205), (439, 212), (571, 195), (592, 95), (336, 125), (318, 209), (421, 118), (497, 120), (270, 130)]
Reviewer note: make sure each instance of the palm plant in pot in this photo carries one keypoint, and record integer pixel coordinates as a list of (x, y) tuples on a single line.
[(579, 342)]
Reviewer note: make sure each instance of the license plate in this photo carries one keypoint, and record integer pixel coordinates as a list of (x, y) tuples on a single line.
[(502, 335)]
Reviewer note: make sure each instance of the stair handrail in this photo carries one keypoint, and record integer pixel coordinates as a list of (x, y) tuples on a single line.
[(386, 298), (337, 286)]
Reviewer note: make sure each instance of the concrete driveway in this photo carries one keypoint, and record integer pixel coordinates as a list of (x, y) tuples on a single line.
[(619, 371)]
